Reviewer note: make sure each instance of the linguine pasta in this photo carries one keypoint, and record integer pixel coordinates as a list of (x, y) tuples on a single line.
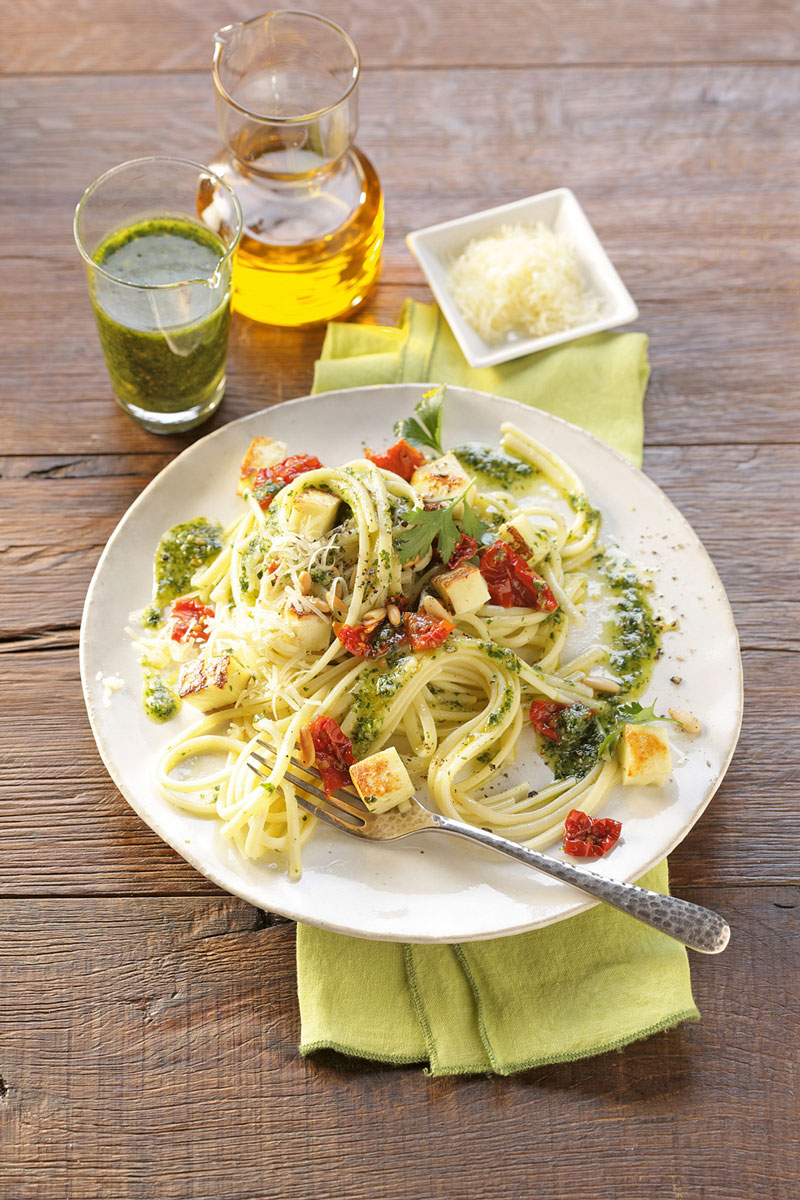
[(456, 711)]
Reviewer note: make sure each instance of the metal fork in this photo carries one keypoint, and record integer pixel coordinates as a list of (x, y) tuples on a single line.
[(688, 923)]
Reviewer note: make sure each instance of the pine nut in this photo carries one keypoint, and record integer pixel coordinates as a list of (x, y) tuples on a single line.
[(689, 722), (307, 753), (374, 615), (605, 687), (322, 606), (394, 614), (305, 582), (436, 610)]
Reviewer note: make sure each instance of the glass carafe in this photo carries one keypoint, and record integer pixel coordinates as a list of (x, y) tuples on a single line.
[(287, 111)]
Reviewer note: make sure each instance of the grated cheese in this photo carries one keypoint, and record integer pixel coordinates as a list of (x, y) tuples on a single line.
[(522, 281)]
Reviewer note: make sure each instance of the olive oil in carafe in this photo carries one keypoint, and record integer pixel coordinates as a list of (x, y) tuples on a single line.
[(307, 254), (287, 111)]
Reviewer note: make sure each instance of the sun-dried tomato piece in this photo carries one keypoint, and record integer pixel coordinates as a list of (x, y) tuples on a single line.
[(372, 640), (269, 480), (544, 716), (589, 837), (333, 753), (426, 632), (463, 551), (188, 620), (512, 582), (388, 637), (357, 639), (400, 458)]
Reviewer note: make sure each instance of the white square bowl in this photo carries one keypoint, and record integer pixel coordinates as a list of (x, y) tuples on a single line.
[(436, 247)]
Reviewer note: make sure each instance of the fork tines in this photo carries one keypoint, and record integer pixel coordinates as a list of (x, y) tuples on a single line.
[(336, 811)]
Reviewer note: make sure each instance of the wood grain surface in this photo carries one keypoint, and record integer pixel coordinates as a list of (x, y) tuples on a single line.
[(148, 1022)]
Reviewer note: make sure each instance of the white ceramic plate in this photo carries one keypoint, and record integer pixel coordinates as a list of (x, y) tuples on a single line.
[(429, 888)]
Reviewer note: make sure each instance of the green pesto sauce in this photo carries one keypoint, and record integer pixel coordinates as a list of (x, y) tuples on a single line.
[(373, 694), (494, 464), (581, 730), (636, 632), (499, 714), (182, 551), (165, 349), (635, 643), (160, 702), (580, 504), (251, 565), (501, 654)]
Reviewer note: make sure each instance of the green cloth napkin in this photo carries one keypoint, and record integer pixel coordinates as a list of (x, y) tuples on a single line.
[(597, 382), (583, 986)]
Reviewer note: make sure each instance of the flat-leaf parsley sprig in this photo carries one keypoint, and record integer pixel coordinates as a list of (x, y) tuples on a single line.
[(425, 525), (632, 713), (426, 429)]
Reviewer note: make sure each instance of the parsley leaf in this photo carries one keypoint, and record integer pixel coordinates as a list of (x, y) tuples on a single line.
[(425, 431), (472, 525), (425, 525), (632, 713)]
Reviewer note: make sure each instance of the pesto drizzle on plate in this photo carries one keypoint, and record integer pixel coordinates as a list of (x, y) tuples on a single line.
[(182, 550)]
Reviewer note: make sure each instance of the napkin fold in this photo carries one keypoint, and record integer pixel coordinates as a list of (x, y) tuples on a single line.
[(597, 382), (583, 986), (580, 987)]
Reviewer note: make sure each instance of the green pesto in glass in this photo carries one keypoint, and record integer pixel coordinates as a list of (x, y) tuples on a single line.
[(165, 347)]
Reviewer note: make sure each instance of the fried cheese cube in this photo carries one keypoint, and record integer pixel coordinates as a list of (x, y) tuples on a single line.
[(311, 631), (313, 512), (440, 481), (262, 452), (382, 780), (464, 587), (536, 539), (212, 683), (644, 753)]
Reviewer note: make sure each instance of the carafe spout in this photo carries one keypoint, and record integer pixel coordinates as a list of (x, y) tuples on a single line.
[(226, 35)]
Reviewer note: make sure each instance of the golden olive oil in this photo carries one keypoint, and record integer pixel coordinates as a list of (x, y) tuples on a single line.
[(294, 264)]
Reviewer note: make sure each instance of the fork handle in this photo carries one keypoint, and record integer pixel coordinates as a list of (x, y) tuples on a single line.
[(697, 927)]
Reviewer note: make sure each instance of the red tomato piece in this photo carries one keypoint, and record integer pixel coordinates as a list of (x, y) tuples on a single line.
[(426, 632), (400, 458), (463, 551), (264, 484), (333, 753), (589, 837), (356, 639), (512, 582), (370, 641), (544, 716), (188, 620)]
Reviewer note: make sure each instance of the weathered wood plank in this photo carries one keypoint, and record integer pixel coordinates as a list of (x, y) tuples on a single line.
[(48, 37), (150, 1049), (66, 830), (48, 562)]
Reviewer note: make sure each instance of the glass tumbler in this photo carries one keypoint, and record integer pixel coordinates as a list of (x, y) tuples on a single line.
[(157, 237), (286, 94)]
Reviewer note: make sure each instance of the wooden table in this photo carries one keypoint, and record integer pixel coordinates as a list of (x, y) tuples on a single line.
[(150, 1021)]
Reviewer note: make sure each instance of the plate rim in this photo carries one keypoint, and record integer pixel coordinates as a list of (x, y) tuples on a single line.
[(580, 905)]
